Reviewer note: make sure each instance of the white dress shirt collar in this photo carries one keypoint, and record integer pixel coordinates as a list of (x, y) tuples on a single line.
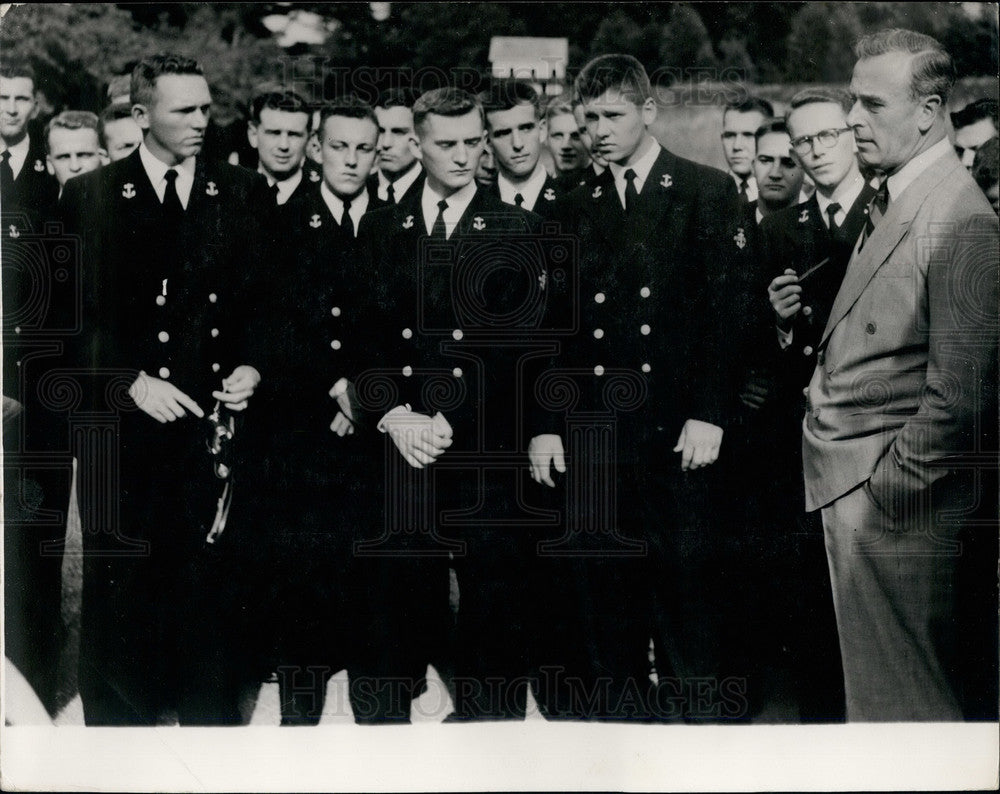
[(905, 176), (529, 188), (286, 186), (359, 205), (18, 154), (642, 167), (401, 185), (845, 194), (156, 170), (458, 202)]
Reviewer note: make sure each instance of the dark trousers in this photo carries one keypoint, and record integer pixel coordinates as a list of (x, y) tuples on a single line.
[(162, 619), (37, 479)]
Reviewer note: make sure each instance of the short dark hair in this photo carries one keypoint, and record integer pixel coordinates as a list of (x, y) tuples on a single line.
[(71, 120), (619, 72), (446, 102), (768, 126), (809, 96), (18, 68), (396, 98), (115, 112), (933, 68), (146, 72), (985, 168), (506, 94), (349, 106), (750, 104), (975, 111), (278, 99)]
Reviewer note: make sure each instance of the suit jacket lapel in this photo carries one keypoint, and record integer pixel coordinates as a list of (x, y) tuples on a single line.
[(885, 237)]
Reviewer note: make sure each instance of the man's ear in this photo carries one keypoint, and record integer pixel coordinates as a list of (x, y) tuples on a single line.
[(141, 115), (648, 111), (930, 107), (103, 155), (48, 166), (414, 143), (543, 130), (252, 134)]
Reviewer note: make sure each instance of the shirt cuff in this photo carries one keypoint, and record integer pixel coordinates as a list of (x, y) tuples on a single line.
[(396, 410), (784, 338)]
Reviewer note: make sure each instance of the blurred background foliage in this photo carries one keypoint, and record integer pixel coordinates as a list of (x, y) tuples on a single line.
[(76, 48), (696, 52)]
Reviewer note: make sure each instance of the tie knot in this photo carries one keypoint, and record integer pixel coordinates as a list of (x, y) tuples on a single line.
[(171, 175), (442, 205), (882, 195), (832, 209), (629, 175), (347, 204), (518, 199), (5, 155)]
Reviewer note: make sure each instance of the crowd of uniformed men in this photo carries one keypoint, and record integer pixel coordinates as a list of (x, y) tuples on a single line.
[(499, 384)]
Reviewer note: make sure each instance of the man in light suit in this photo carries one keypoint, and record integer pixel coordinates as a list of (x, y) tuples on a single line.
[(899, 439)]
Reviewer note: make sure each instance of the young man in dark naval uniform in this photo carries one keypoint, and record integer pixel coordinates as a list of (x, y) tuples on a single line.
[(312, 476), (803, 252), (640, 398), (167, 254), (457, 283), (24, 182), (398, 169), (516, 132), (279, 128)]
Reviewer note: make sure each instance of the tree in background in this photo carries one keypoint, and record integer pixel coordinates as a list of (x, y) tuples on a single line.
[(685, 44), (77, 48), (819, 43)]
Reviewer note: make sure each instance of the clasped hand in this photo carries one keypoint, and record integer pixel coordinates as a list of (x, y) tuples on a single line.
[(420, 439)]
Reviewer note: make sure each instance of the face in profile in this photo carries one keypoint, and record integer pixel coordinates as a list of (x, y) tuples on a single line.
[(347, 146), (886, 117)]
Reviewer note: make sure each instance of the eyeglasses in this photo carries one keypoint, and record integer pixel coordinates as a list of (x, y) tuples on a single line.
[(825, 138)]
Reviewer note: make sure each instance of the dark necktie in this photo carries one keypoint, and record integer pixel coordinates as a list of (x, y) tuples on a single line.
[(631, 194), (274, 193), (6, 172), (831, 214), (171, 201), (438, 231), (744, 195), (346, 223), (390, 193), (876, 210), (518, 199)]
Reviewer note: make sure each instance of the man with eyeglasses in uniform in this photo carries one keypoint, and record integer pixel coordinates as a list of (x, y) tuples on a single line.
[(790, 243)]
